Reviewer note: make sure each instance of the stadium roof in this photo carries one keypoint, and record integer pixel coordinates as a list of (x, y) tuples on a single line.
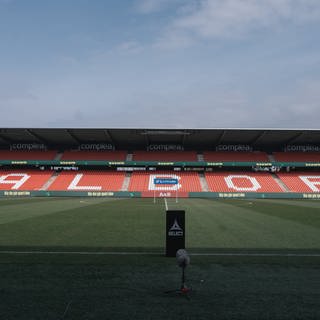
[(198, 139)]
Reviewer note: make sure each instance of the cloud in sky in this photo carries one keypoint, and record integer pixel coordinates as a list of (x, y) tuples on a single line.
[(129, 47), (209, 19), (152, 6)]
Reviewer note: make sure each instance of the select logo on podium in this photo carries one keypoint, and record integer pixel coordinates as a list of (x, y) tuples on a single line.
[(175, 231)]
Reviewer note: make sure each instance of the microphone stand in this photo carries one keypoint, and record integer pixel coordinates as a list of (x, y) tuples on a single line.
[(184, 290)]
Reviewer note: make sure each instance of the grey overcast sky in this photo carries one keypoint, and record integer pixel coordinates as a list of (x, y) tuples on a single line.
[(160, 63)]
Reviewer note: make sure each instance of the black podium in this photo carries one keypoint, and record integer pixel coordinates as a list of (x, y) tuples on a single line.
[(175, 231)]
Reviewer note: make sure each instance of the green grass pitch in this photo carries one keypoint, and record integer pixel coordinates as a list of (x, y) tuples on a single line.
[(87, 258)]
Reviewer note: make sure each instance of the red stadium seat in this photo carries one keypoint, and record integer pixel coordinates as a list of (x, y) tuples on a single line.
[(88, 181), (165, 156), (255, 156), (301, 181), (297, 156), (95, 155), (23, 179), (241, 182), (28, 155)]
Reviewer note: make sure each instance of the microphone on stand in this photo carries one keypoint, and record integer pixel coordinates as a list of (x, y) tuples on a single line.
[(183, 259)]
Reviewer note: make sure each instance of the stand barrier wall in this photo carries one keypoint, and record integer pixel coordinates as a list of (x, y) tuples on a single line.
[(106, 194), (254, 195), (100, 163), (125, 194)]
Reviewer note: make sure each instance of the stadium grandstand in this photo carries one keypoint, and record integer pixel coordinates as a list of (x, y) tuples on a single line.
[(126, 162), (84, 224)]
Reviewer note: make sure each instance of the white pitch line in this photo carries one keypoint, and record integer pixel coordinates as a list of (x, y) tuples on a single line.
[(166, 204), (235, 254), (122, 253)]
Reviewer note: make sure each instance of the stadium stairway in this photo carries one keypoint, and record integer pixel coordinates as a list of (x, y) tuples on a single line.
[(50, 181), (200, 157), (280, 183), (58, 156), (203, 182), (126, 182), (271, 158)]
